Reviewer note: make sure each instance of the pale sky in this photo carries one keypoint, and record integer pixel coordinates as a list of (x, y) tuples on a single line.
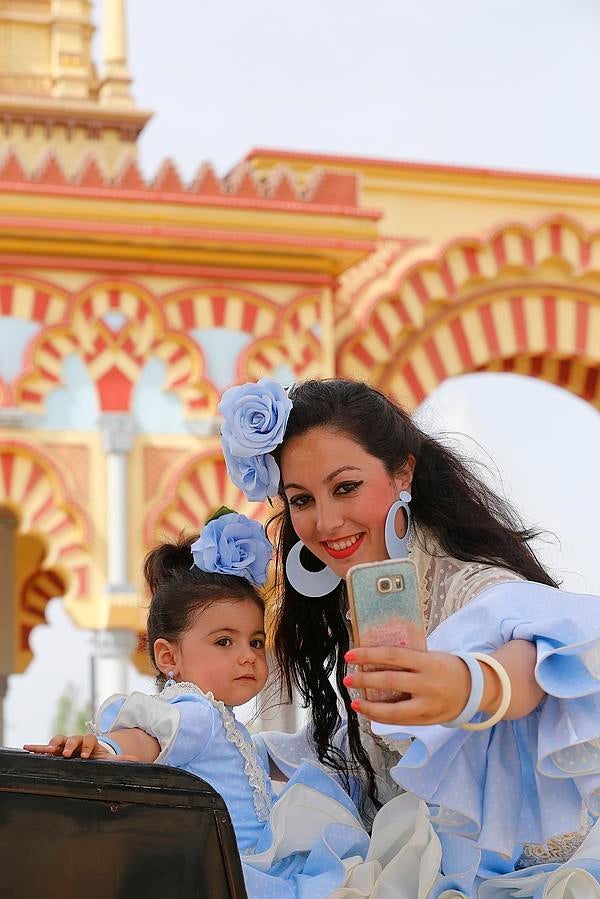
[(501, 83), (509, 83)]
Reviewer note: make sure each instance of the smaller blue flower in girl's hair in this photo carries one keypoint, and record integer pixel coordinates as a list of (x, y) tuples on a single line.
[(234, 544)]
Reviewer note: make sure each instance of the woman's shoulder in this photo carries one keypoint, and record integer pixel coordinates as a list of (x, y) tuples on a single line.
[(450, 584)]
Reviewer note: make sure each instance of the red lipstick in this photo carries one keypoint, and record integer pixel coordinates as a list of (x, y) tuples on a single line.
[(343, 553)]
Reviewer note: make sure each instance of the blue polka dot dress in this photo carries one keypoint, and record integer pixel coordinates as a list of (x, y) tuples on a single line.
[(505, 806), (304, 844)]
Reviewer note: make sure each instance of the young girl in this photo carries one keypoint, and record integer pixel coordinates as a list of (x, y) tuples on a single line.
[(206, 640)]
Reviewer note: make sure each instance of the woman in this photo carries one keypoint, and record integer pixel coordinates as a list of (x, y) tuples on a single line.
[(359, 482)]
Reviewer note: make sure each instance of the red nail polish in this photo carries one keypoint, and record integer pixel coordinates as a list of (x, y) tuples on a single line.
[(355, 704), (347, 681), (350, 656)]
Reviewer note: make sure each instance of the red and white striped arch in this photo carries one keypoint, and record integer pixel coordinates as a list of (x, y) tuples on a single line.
[(216, 306), (294, 341), (38, 589), (115, 356), (523, 294), (34, 489), (32, 299), (195, 490)]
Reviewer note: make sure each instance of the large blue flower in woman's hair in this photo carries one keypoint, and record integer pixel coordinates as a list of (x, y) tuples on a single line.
[(255, 416)]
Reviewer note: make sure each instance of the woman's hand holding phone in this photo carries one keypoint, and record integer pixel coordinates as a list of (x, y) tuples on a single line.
[(401, 682), (439, 684), (385, 609)]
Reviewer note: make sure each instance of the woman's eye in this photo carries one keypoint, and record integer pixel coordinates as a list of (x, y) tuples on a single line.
[(257, 644), (224, 641), (299, 501), (347, 487)]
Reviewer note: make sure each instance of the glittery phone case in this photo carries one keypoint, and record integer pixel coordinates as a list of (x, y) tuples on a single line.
[(385, 610)]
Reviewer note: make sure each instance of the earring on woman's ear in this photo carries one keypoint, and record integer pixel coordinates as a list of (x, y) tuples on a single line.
[(170, 682), (397, 547), (308, 583)]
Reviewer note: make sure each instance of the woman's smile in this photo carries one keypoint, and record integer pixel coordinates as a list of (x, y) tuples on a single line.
[(343, 547)]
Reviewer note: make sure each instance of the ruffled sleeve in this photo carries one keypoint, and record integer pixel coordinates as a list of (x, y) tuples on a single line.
[(522, 781), (183, 725), (288, 751)]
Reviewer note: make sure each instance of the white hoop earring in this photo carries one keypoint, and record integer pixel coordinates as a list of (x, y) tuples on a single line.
[(397, 547), (308, 583)]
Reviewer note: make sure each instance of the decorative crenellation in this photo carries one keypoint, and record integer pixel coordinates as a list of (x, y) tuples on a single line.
[(321, 187)]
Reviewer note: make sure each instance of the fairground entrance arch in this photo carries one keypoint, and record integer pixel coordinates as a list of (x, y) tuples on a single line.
[(524, 300)]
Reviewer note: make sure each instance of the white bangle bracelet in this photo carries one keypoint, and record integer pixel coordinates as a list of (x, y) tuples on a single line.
[(111, 745), (476, 694), (500, 712)]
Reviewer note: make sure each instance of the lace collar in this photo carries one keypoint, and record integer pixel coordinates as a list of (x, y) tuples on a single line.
[(252, 767), (448, 584)]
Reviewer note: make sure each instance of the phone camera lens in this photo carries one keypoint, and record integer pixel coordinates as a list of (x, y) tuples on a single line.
[(384, 585)]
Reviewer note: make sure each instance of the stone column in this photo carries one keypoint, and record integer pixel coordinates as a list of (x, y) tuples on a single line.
[(275, 714), (327, 323), (112, 649), (116, 81), (117, 430), (8, 533), (70, 49), (285, 719)]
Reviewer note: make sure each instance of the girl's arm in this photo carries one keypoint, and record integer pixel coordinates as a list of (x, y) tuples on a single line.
[(439, 683), (136, 746)]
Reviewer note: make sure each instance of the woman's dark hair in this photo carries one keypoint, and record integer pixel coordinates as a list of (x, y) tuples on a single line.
[(180, 590), (466, 518)]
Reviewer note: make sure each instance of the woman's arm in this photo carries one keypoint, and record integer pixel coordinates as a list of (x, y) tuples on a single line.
[(439, 683), (518, 658)]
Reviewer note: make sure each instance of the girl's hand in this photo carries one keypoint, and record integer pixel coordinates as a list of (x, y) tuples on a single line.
[(439, 684), (85, 746)]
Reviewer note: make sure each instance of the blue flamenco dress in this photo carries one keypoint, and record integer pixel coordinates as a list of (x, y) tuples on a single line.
[(304, 844), (505, 812)]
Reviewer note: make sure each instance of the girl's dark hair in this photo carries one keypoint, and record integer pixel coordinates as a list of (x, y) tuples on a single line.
[(467, 519), (180, 590)]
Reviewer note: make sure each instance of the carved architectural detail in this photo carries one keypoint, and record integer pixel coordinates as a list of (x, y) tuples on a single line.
[(196, 489), (498, 304)]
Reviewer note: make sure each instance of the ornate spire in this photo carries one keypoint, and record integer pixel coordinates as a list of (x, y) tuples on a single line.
[(72, 75), (114, 88), (50, 96)]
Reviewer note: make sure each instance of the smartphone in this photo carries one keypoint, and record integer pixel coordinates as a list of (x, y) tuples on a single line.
[(386, 610)]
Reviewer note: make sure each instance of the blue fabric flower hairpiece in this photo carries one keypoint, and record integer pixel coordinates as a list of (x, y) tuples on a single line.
[(233, 544), (255, 417)]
